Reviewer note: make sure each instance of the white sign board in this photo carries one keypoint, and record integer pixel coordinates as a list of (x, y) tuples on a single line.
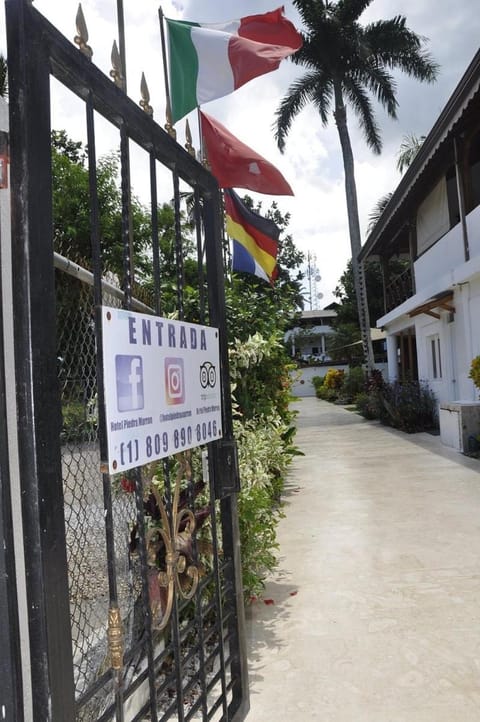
[(162, 387)]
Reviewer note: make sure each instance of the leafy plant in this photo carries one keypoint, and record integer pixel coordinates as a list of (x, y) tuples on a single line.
[(334, 379), (263, 463), (410, 406), (353, 383), (259, 369), (475, 371)]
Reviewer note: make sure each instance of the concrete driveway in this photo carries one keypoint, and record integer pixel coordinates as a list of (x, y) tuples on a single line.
[(374, 612)]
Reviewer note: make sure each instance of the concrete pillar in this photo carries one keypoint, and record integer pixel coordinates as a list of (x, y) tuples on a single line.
[(392, 357)]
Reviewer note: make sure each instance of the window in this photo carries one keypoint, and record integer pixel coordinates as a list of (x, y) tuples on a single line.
[(433, 217), (452, 197), (473, 193), (435, 356)]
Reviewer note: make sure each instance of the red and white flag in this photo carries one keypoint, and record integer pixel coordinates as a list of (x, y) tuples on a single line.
[(235, 165)]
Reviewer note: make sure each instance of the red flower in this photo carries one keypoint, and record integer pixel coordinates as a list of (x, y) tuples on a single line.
[(127, 484)]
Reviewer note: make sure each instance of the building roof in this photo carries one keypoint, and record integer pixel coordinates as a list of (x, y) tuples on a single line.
[(423, 166), (318, 313)]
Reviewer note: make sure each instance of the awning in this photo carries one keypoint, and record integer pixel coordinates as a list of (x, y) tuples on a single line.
[(442, 301)]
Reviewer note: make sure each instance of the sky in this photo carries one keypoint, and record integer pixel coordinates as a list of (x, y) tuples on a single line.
[(312, 162)]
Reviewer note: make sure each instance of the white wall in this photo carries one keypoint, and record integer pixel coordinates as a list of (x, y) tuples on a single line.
[(425, 327), (441, 258), (459, 343), (473, 231), (302, 385)]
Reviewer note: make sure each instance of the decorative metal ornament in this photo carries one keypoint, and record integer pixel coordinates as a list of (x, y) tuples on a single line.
[(81, 38), (116, 71), (115, 637), (169, 125), (188, 137), (179, 576), (145, 100)]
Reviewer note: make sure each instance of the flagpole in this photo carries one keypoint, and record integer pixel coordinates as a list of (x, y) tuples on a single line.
[(169, 124)]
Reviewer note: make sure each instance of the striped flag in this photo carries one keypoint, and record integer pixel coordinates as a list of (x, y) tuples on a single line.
[(255, 239), (208, 61)]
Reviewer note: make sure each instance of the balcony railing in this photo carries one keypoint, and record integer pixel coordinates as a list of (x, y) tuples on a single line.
[(398, 290)]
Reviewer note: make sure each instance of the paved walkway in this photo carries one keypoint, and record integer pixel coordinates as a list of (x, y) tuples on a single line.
[(376, 601)]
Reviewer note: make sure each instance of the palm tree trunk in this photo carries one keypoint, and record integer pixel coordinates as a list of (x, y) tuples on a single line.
[(354, 228)]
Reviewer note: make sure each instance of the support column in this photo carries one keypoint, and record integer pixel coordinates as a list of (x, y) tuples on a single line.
[(392, 357)]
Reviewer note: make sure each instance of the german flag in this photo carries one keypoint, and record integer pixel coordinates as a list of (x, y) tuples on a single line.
[(255, 239)]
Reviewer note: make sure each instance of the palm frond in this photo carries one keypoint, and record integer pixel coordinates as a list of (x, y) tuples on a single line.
[(409, 148), (348, 11), (311, 12), (302, 91), (394, 45), (360, 102), (377, 210), (381, 83)]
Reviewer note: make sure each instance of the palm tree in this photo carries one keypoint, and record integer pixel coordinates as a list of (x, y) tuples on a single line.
[(347, 63), (377, 211), (409, 148)]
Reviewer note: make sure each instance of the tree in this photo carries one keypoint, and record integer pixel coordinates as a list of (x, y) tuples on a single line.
[(343, 344), (71, 208), (377, 211), (409, 148), (347, 299), (345, 63)]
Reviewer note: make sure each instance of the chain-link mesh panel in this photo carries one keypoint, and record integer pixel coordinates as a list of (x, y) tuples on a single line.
[(83, 489)]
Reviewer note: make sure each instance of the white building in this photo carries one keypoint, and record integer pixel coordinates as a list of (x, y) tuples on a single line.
[(432, 310), (308, 339)]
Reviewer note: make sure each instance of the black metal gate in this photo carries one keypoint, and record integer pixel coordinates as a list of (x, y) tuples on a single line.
[(135, 612)]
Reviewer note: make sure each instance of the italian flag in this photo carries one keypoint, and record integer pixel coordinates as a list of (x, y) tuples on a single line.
[(210, 61)]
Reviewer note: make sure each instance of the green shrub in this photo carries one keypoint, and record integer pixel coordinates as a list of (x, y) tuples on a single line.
[(264, 431), (366, 406), (327, 394), (79, 422), (317, 382), (353, 383), (475, 371), (406, 405), (410, 406), (263, 461), (334, 379)]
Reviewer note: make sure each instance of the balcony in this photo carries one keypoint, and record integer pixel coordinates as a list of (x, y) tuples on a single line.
[(398, 290)]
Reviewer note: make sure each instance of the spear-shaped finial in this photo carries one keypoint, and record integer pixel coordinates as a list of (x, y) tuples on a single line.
[(145, 100), (116, 71), (82, 33), (188, 138), (169, 125)]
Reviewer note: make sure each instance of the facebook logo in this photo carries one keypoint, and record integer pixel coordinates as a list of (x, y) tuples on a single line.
[(129, 374)]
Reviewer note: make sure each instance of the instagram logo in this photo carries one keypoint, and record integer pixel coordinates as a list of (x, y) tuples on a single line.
[(174, 381)]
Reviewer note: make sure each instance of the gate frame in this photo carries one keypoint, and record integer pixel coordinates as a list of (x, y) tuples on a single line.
[(38, 51), (11, 688)]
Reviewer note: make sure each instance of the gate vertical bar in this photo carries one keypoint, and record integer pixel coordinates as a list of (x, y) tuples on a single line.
[(38, 398), (229, 508), (98, 299)]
